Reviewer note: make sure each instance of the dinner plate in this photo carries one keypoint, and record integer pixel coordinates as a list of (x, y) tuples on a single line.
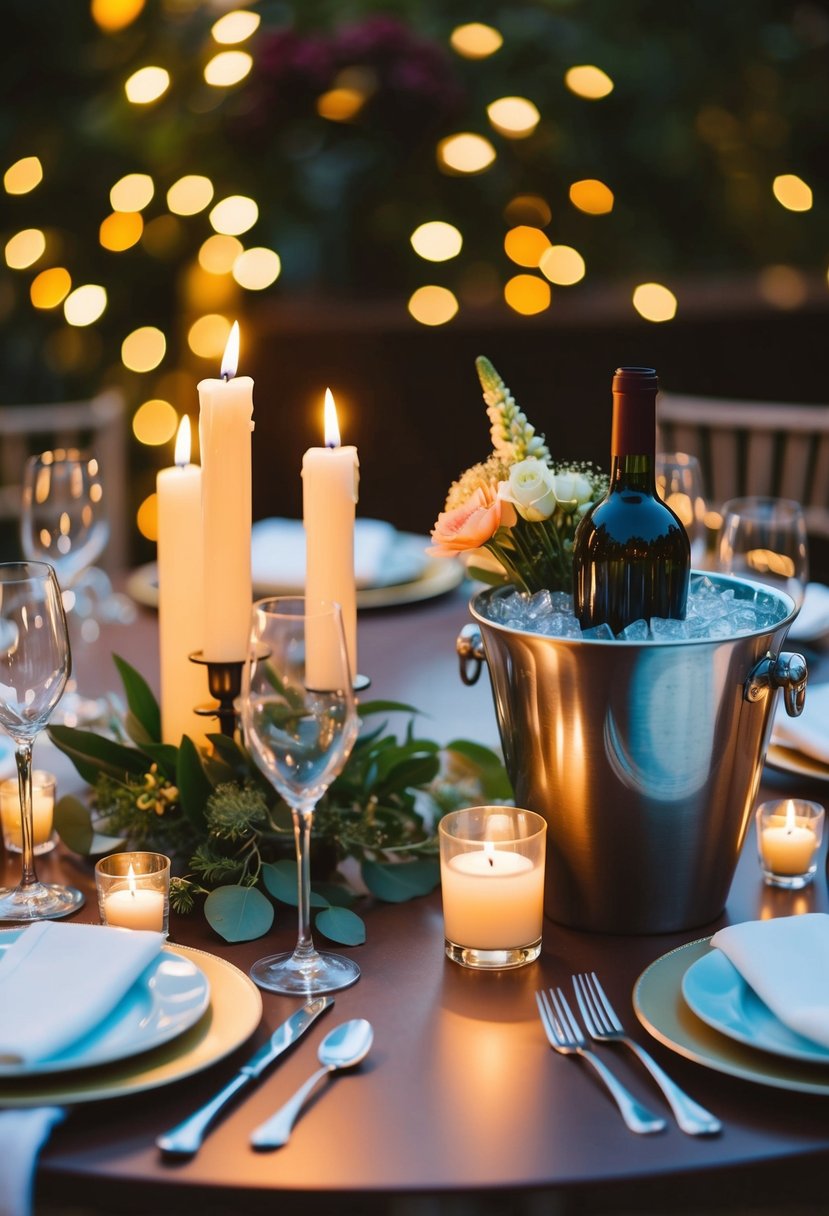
[(233, 1014), (717, 993), (167, 999), (787, 760), (663, 1011)]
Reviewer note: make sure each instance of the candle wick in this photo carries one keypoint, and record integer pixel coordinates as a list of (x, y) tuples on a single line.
[(226, 376), (491, 862)]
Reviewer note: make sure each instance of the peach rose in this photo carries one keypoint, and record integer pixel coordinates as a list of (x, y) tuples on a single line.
[(468, 526)]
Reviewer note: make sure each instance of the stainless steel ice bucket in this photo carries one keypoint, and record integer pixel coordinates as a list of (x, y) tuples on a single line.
[(644, 758)]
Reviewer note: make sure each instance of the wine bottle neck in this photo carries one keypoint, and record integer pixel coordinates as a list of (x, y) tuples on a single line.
[(633, 473), (633, 440)]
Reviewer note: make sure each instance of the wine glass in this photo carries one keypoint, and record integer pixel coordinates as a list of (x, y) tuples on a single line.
[(679, 482), (34, 666), (299, 719), (765, 539)]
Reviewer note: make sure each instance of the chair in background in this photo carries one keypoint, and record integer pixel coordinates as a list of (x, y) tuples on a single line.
[(753, 447), (99, 425)]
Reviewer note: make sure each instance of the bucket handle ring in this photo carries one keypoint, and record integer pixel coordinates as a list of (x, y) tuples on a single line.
[(787, 671), (471, 654)]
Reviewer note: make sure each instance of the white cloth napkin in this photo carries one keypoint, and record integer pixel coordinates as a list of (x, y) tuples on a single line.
[(786, 962), (813, 619), (809, 733), (59, 981), (22, 1135), (278, 553)]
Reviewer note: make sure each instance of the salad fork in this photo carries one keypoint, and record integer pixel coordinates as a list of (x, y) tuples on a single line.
[(565, 1036), (604, 1026)]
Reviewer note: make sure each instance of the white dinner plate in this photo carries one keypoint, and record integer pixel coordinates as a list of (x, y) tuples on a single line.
[(787, 760), (664, 1012), (167, 999), (717, 993)]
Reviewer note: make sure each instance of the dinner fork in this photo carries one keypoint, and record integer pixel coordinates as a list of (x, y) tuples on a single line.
[(565, 1036), (603, 1024)]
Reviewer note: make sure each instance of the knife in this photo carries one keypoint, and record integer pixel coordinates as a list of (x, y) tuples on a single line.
[(185, 1139)]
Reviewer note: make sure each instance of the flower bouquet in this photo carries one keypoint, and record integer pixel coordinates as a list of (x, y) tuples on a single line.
[(518, 504)]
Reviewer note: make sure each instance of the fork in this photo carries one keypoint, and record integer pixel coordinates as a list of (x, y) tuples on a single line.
[(604, 1026), (565, 1036)]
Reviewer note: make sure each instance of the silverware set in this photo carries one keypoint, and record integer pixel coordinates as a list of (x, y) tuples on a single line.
[(603, 1026)]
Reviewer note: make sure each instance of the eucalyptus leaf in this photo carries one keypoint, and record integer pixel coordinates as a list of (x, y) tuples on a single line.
[(335, 893), (73, 823), (165, 756), (398, 882), (490, 767), (280, 879), (193, 785), (238, 914), (367, 708), (341, 925), (135, 730), (92, 754), (409, 772), (140, 699)]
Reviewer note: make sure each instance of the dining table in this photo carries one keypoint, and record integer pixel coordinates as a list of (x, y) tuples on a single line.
[(460, 1106)]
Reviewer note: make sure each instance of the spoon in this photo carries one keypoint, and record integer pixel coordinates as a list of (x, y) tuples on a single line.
[(343, 1047)]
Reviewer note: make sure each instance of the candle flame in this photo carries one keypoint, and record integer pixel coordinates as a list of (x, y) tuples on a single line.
[(183, 442), (230, 359), (791, 822), (332, 429), (131, 880)]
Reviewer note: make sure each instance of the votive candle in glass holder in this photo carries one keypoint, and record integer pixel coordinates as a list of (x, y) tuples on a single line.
[(134, 890), (789, 833), (43, 807), (492, 881)]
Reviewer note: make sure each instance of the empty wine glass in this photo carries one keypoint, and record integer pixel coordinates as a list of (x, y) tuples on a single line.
[(34, 667), (765, 539), (679, 482), (299, 719)]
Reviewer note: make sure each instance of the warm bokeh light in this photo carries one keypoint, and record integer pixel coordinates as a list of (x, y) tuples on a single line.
[(433, 305), (792, 192), (782, 286), (147, 518), (475, 40), (654, 302), (143, 349), (525, 246), (234, 215), (162, 236), (23, 175), (527, 294), (121, 231), (190, 194), (114, 15), (147, 85), (132, 193), (235, 27), (200, 290), (592, 196), (227, 68), (257, 268), (207, 337), (588, 81), (155, 422), (529, 209), (465, 153), (562, 264), (85, 304), (340, 105), (50, 287), (514, 117), (218, 253), (24, 248), (436, 241)]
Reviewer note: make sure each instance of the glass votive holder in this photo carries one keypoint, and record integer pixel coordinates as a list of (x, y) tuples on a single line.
[(134, 890), (492, 883), (789, 833), (43, 807)]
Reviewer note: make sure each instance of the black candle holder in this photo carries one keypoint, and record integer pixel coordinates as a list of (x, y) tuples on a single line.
[(224, 683)]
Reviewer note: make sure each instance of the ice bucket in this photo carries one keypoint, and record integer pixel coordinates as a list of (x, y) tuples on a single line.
[(643, 757)]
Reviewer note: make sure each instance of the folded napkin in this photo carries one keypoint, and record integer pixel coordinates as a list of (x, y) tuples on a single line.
[(22, 1135), (813, 619), (59, 981), (278, 553), (809, 733), (786, 962)]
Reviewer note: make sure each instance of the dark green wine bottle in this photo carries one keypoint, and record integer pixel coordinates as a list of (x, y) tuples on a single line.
[(631, 556)]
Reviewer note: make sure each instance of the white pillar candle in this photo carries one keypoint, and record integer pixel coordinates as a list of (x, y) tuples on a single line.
[(180, 598), (330, 480), (493, 899), (225, 425), (787, 843)]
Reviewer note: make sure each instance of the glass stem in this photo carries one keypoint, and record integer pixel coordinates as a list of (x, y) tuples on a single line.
[(302, 817), (23, 756)]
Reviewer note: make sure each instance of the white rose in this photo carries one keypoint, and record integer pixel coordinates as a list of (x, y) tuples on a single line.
[(573, 490), (530, 489)]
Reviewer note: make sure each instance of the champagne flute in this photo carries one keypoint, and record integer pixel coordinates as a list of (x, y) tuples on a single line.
[(34, 666), (679, 482), (299, 719), (765, 539)]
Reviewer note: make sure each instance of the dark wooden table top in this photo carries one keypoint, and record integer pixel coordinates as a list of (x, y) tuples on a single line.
[(460, 1095)]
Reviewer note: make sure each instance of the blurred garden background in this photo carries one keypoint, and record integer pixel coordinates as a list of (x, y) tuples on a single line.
[(379, 192)]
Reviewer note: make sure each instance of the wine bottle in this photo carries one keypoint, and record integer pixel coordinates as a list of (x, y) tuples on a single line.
[(631, 555)]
